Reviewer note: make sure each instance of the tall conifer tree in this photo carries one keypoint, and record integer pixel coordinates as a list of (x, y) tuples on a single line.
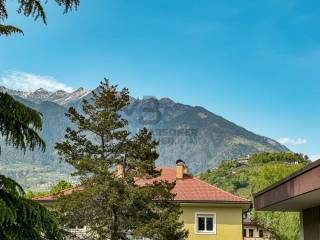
[(109, 202)]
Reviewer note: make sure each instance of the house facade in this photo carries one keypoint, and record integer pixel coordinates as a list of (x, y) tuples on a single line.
[(253, 231), (208, 212)]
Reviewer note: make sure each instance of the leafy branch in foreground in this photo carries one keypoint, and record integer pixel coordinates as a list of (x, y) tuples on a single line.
[(33, 8), (19, 124), (22, 218)]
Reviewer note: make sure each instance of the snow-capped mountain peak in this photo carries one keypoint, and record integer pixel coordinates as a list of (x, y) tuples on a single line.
[(60, 97), (74, 96), (41, 91)]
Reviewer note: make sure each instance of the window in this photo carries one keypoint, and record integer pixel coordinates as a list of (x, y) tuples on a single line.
[(261, 233), (205, 223), (244, 232), (250, 232)]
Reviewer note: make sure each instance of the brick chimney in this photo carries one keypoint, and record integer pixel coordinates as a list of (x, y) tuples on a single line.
[(181, 169), (119, 171)]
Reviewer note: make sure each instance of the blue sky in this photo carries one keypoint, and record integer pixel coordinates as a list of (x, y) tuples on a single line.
[(256, 63)]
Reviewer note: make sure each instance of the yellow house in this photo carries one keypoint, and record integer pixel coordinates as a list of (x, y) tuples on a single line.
[(209, 213)]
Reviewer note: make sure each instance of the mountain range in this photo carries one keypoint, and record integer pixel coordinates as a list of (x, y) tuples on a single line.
[(192, 133)]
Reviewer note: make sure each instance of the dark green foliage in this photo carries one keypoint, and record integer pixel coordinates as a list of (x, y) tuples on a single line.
[(21, 218), (18, 124), (32, 8), (113, 206), (24, 219), (9, 29), (259, 172)]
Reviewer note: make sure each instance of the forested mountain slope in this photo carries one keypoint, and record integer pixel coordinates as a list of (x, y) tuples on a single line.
[(199, 137)]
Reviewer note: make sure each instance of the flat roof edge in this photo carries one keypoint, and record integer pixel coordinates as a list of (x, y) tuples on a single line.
[(299, 172)]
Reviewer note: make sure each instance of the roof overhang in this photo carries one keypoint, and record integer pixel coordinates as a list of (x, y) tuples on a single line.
[(300, 190), (245, 205)]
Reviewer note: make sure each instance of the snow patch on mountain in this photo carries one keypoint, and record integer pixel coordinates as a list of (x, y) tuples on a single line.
[(60, 97)]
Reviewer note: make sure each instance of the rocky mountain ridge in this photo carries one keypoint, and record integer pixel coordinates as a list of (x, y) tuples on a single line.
[(60, 97), (192, 133)]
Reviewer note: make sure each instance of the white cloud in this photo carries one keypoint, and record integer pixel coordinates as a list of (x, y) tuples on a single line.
[(30, 82), (314, 157), (292, 141)]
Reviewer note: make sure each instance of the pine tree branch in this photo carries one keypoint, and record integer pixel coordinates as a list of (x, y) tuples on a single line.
[(9, 29), (19, 124), (3, 10), (32, 8), (68, 4)]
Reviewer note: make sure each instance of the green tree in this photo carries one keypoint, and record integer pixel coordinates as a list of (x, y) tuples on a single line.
[(32, 8), (284, 157), (284, 225), (112, 205), (22, 218), (262, 170), (61, 185)]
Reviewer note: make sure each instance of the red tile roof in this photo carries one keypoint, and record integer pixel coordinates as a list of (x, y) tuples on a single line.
[(192, 189), (188, 189)]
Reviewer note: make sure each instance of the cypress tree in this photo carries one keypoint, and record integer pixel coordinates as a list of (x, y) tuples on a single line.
[(112, 205)]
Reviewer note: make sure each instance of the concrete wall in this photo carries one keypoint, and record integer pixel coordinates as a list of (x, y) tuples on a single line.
[(229, 222), (311, 223)]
